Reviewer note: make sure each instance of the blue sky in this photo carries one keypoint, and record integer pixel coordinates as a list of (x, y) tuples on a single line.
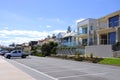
[(25, 20)]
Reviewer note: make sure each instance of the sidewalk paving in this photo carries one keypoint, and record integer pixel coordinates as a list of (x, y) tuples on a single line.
[(10, 72)]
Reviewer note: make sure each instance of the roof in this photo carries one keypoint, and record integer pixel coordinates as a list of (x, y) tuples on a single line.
[(69, 34)]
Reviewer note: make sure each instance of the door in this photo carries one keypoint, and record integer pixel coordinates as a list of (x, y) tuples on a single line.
[(104, 39), (14, 54)]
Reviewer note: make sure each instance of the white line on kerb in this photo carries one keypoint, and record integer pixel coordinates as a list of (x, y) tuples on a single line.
[(36, 71)]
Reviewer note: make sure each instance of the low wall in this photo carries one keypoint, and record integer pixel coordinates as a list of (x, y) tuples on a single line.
[(116, 54), (99, 50), (70, 51)]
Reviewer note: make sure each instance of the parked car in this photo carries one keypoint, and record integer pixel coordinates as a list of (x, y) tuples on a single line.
[(16, 53), (3, 52)]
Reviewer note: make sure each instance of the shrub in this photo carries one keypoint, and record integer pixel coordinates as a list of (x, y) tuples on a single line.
[(49, 48), (77, 57), (70, 57), (87, 58), (40, 54), (91, 55), (96, 59)]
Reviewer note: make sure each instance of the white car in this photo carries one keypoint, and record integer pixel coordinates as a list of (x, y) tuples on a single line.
[(16, 53)]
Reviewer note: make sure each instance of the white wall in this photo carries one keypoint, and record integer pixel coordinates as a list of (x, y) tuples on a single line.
[(99, 50)]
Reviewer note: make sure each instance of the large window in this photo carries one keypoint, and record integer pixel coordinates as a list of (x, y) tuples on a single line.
[(84, 30), (91, 27), (114, 21), (112, 37)]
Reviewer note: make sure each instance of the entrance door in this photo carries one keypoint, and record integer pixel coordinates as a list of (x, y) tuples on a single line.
[(104, 39)]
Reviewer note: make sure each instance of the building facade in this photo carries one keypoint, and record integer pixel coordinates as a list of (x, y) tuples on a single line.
[(86, 32), (109, 29), (69, 39)]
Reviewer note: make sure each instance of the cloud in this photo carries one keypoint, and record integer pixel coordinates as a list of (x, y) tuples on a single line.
[(81, 19), (23, 33), (21, 36)]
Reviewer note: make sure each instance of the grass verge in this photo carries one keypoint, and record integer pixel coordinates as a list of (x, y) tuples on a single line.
[(111, 61)]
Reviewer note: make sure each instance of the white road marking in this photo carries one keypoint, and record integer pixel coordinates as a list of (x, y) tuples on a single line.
[(82, 75), (36, 71), (65, 70)]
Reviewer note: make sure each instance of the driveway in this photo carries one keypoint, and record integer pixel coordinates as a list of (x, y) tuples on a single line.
[(59, 69)]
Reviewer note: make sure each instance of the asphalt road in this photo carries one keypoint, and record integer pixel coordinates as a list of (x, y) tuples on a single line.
[(57, 69)]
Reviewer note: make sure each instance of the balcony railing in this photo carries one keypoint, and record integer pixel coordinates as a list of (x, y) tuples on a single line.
[(73, 43), (80, 34), (107, 41), (108, 25)]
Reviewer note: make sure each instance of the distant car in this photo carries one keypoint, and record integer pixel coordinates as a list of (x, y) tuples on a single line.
[(3, 52)]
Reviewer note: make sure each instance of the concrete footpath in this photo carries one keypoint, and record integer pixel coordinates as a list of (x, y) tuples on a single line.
[(10, 72)]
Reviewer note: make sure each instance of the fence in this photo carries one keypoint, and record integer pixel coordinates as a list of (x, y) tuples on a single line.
[(70, 51)]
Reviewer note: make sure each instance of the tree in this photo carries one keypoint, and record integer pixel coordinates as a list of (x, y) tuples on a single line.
[(49, 48), (68, 29), (53, 36), (48, 36), (12, 45)]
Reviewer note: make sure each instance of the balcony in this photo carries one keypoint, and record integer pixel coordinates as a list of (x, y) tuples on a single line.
[(107, 28), (73, 43), (82, 35)]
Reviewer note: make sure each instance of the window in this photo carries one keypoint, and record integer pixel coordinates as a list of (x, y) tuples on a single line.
[(112, 38), (84, 42), (15, 52), (114, 21), (19, 51), (91, 41), (84, 30), (91, 27)]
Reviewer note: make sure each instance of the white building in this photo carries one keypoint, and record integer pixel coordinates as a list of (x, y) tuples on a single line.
[(86, 32)]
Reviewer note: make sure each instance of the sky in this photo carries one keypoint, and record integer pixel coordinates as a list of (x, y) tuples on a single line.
[(26, 20)]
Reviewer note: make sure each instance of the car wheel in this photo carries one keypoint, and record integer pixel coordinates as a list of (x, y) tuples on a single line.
[(8, 57), (23, 56)]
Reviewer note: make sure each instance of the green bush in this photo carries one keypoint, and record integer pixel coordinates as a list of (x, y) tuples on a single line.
[(77, 57), (35, 53), (96, 59), (40, 54), (91, 55), (49, 48)]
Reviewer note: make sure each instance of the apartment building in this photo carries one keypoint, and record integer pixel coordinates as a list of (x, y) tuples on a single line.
[(109, 29), (86, 32)]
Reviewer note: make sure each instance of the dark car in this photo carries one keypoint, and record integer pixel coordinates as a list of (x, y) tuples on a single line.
[(3, 52)]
